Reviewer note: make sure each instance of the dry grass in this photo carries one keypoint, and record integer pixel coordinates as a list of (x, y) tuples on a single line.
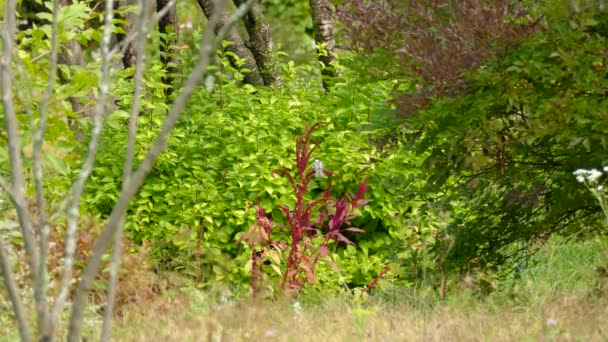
[(570, 318), (561, 297)]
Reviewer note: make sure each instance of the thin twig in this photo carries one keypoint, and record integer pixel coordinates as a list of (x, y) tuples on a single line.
[(7, 36), (41, 288), (87, 168), (40, 56), (208, 44), (122, 47), (13, 293), (140, 44)]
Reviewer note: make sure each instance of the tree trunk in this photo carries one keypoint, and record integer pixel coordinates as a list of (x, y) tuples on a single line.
[(237, 47), (324, 35), (169, 30), (128, 60), (261, 44)]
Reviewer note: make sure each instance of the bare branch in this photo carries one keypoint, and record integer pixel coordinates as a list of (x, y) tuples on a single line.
[(87, 168), (12, 130), (13, 293), (128, 59), (208, 44), (7, 189), (128, 167), (41, 287)]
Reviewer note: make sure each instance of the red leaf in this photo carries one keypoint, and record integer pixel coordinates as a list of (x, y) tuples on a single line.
[(310, 277), (323, 250), (362, 191), (361, 203), (343, 239), (333, 265), (306, 259), (283, 245)]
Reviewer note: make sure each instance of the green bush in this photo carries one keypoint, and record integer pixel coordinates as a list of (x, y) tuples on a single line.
[(502, 154), (202, 192)]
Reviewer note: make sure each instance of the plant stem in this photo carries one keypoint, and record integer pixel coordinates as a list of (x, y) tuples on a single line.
[(128, 169), (41, 288), (13, 293)]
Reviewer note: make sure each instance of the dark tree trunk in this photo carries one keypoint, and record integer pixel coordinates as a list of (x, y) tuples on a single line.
[(237, 47), (128, 60), (324, 34), (261, 44), (169, 30)]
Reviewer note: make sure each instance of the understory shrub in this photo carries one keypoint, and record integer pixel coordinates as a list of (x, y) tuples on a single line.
[(202, 193), (501, 131)]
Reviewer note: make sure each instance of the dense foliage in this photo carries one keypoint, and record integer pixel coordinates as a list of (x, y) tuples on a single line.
[(503, 141), (203, 192), (468, 136)]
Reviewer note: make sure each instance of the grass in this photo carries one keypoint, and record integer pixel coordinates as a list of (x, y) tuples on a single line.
[(559, 297), (568, 318)]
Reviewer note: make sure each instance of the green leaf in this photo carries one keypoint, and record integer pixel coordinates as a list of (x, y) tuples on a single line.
[(58, 165)]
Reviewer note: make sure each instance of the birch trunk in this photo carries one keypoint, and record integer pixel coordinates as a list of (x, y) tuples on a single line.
[(324, 35)]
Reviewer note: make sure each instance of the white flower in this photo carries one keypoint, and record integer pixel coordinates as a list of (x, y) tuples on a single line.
[(591, 176), (187, 25), (318, 167), (594, 175), (579, 172), (551, 322), (600, 188), (297, 308), (606, 168)]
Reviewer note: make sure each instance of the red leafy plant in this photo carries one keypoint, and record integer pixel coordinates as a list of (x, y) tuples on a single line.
[(441, 41), (312, 224)]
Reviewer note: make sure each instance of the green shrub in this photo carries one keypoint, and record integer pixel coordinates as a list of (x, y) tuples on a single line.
[(503, 153), (202, 192)]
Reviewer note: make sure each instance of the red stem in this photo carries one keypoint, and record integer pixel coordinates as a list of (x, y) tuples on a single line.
[(377, 279)]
